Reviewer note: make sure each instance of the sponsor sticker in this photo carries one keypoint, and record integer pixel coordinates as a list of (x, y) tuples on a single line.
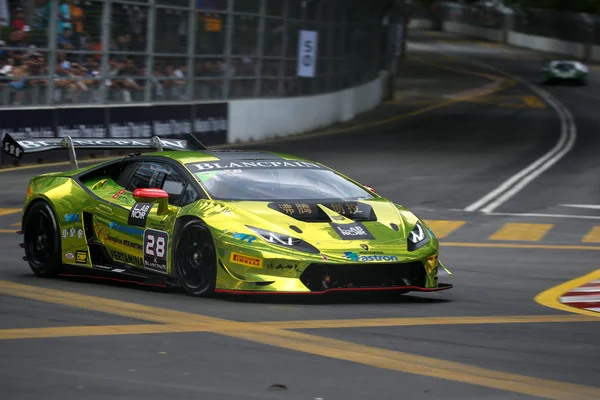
[(238, 165), (126, 229), (71, 217), (244, 237), (127, 258), (102, 267), (156, 250), (283, 266), (246, 260), (138, 215), (69, 256), (119, 193), (81, 257), (350, 255), (353, 231)]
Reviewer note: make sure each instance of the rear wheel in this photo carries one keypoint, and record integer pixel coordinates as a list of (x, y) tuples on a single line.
[(42, 240), (195, 259)]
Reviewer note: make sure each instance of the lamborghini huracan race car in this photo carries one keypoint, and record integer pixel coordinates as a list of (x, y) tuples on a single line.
[(562, 71), (219, 221)]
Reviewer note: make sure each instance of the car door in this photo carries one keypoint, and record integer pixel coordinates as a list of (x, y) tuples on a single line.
[(138, 232)]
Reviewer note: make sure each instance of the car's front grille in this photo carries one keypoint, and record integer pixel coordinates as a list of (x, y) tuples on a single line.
[(319, 277)]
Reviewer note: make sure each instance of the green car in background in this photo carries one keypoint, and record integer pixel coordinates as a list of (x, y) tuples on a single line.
[(219, 222), (565, 71)]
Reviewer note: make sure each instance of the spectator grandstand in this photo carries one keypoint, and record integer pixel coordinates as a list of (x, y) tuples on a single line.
[(66, 52)]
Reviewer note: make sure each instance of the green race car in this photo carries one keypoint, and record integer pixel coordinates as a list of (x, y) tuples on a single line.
[(219, 221), (565, 71)]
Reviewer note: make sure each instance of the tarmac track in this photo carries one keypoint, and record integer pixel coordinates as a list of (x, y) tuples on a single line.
[(437, 162)]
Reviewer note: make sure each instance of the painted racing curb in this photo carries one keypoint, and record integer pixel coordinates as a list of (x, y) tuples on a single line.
[(585, 297)]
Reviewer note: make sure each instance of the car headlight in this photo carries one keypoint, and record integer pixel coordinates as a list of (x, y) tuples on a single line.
[(285, 240), (417, 238)]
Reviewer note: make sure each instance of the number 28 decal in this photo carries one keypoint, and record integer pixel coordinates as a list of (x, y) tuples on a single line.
[(156, 250)]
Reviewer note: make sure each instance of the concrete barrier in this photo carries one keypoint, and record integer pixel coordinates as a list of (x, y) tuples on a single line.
[(257, 119), (532, 42), (547, 45)]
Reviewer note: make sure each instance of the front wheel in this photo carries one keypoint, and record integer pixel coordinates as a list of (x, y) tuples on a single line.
[(42, 240), (195, 259)]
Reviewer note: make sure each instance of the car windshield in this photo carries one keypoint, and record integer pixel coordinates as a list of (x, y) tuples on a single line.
[(267, 184), (564, 67)]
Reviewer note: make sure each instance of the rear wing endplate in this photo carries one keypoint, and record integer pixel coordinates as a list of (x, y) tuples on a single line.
[(17, 148)]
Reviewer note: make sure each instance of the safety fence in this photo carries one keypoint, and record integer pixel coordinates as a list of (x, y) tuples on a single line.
[(62, 52)]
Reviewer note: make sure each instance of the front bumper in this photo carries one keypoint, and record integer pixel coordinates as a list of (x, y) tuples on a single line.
[(403, 289), (325, 277)]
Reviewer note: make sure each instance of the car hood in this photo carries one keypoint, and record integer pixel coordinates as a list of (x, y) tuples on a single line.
[(329, 226)]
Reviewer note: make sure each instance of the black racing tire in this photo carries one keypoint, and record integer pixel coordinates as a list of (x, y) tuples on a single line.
[(195, 259), (41, 234)]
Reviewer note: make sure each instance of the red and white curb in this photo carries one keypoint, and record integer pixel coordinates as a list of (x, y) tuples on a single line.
[(585, 297)]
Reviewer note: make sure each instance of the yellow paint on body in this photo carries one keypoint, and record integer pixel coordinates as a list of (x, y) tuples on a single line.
[(522, 232), (442, 229)]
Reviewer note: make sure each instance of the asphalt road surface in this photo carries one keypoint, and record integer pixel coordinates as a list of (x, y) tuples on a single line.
[(486, 338)]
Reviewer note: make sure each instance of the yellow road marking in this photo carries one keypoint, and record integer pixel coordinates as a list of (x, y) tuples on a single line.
[(593, 236), (8, 211), (317, 345), (533, 102), (132, 310), (424, 321), (520, 246), (522, 232), (17, 224), (551, 297), (442, 229), (109, 330), (8, 231), (414, 364)]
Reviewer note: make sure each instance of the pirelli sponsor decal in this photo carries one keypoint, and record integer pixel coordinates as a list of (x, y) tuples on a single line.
[(246, 260)]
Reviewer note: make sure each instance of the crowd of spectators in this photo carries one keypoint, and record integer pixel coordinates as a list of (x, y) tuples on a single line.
[(78, 74)]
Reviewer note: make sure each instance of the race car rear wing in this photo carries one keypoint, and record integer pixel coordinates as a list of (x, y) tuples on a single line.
[(16, 148)]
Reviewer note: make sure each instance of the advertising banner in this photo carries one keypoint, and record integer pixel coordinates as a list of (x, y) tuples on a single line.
[(307, 54), (148, 121), (24, 124), (207, 122), (81, 122)]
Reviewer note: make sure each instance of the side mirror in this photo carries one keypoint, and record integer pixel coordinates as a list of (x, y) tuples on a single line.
[(157, 196)]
